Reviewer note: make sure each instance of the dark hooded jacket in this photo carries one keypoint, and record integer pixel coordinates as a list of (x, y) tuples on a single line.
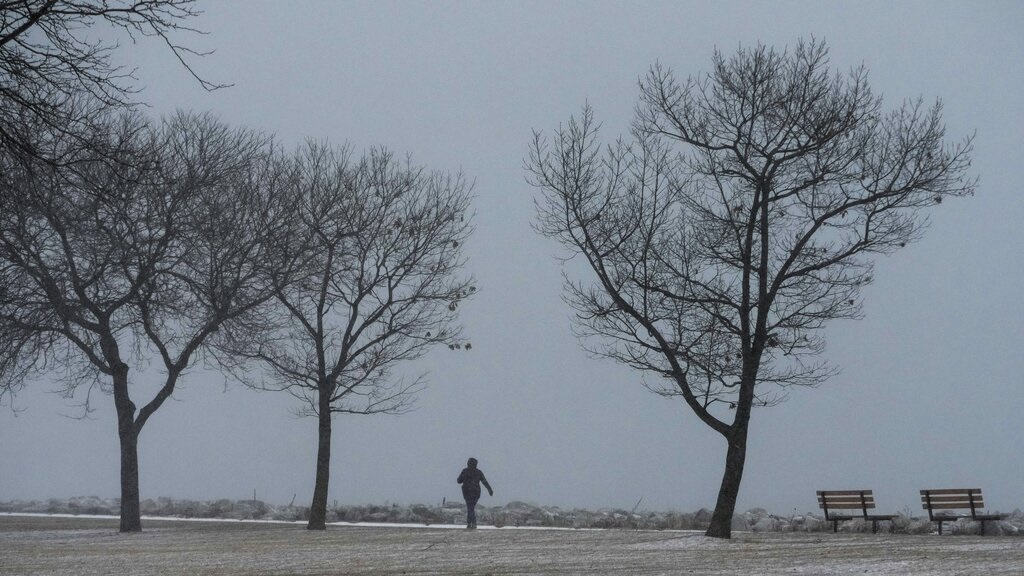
[(471, 478)]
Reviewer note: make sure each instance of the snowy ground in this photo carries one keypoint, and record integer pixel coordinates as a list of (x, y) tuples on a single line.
[(37, 545)]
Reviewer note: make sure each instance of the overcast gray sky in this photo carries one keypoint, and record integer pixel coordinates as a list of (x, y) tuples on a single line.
[(931, 393)]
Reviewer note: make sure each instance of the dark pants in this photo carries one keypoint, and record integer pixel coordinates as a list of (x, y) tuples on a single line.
[(471, 511)]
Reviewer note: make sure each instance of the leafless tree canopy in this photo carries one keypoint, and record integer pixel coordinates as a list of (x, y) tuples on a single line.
[(66, 278), (53, 58), (377, 249), (154, 253), (740, 217)]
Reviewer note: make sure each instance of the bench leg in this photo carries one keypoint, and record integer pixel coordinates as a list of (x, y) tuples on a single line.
[(982, 527), (835, 526), (940, 527), (874, 526)]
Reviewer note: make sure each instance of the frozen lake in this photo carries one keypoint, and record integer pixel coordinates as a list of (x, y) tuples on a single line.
[(37, 545)]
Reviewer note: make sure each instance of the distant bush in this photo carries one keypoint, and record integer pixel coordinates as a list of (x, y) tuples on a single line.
[(513, 514)]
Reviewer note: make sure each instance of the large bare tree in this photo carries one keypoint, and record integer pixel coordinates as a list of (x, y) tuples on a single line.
[(57, 54), (378, 256), (739, 219), (132, 256)]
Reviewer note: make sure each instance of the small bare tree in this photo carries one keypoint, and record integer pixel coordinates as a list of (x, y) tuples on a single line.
[(737, 223), (378, 252), (51, 60), (105, 265)]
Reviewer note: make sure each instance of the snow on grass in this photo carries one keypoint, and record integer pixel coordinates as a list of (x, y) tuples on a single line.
[(65, 546)]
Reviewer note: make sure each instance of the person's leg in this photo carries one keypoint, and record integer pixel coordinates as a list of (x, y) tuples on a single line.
[(471, 513)]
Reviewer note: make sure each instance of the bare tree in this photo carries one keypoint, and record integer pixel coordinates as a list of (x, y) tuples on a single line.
[(378, 250), (106, 265), (737, 223), (51, 57)]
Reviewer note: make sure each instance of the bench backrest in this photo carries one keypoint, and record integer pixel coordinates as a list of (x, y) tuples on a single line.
[(846, 499), (952, 498)]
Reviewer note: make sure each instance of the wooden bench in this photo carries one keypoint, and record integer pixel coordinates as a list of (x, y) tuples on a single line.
[(829, 500), (937, 502)]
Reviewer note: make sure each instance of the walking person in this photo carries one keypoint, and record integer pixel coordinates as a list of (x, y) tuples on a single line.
[(471, 478)]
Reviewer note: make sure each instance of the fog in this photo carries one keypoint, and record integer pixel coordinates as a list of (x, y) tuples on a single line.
[(930, 395)]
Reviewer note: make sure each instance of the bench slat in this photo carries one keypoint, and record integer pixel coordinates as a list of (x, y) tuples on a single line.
[(952, 502), (844, 492), (951, 506), (847, 501), (961, 504), (964, 491), (953, 498), (990, 516), (845, 498), (947, 517)]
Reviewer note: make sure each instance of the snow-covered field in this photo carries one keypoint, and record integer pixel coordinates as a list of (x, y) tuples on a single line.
[(37, 545)]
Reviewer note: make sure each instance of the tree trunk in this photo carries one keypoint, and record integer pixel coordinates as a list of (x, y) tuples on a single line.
[(131, 519), (318, 509), (721, 519)]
